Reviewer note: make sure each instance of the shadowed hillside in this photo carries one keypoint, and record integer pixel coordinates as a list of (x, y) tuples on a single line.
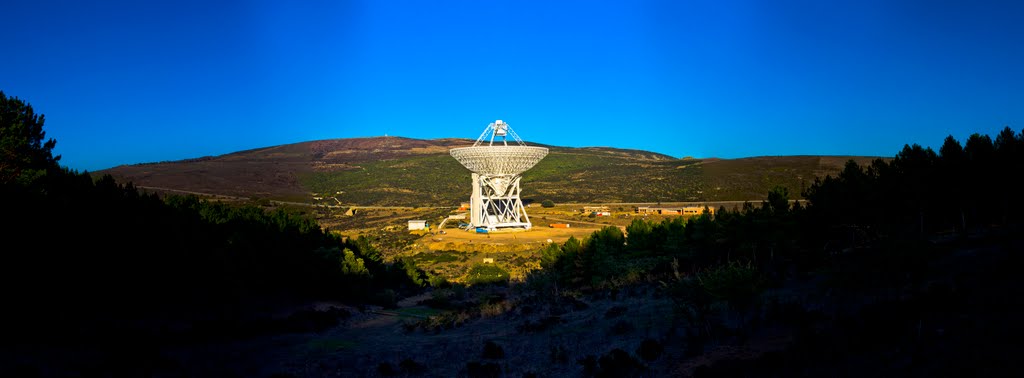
[(395, 171), (904, 267)]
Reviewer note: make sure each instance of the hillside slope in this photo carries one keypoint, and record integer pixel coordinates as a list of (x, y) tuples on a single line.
[(396, 171)]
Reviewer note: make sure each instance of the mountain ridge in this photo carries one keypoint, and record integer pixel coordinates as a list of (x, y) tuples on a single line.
[(401, 171)]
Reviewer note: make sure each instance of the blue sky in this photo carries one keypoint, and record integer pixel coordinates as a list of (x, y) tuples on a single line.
[(144, 81)]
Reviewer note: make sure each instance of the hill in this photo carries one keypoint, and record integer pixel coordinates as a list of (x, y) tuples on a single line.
[(905, 269), (396, 171)]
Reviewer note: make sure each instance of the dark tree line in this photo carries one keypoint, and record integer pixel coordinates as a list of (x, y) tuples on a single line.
[(919, 256), (873, 226), (877, 239), (85, 253), (916, 195), (960, 188)]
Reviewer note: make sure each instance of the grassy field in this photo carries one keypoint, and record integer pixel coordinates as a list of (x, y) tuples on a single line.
[(416, 181), (571, 175)]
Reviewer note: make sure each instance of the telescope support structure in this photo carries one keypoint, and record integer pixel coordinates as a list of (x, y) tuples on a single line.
[(495, 203)]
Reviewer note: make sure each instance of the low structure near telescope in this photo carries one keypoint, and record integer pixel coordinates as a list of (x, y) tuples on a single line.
[(497, 170)]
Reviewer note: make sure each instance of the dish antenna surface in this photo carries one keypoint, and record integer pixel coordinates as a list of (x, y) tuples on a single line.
[(497, 170)]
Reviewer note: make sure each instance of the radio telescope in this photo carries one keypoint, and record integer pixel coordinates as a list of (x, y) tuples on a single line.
[(495, 201)]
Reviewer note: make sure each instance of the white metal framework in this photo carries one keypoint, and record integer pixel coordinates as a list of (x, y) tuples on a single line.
[(495, 201)]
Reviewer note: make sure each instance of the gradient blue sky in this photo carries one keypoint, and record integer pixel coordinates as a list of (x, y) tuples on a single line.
[(143, 81)]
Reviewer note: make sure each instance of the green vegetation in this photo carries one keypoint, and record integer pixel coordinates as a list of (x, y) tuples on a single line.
[(414, 181), (918, 256), (25, 153), (865, 231), (95, 249), (574, 175), (485, 274), (440, 257)]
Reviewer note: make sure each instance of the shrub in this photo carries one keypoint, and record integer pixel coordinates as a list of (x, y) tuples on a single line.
[(386, 369), (476, 369), (738, 284), (486, 274), (439, 282), (459, 291), (493, 350), (409, 366), (589, 363), (618, 363), (494, 309), (408, 327), (615, 311), (650, 350), (547, 203)]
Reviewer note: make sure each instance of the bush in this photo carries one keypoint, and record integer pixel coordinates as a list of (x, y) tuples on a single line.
[(738, 284), (409, 366), (439, 282), (385, 369), (486, 274), (492, 350), (618, 363), (476, 369), (615, 311), (547, 203), (650, 350), (589, 363)]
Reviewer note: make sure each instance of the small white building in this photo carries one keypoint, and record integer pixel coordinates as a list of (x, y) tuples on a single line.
[(417, 225)]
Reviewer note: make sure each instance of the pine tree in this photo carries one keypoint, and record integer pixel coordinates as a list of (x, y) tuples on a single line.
[(24, 156)]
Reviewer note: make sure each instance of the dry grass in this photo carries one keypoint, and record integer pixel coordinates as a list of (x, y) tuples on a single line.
[(536, 237)]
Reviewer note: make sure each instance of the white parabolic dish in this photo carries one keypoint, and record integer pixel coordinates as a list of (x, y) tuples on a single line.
[(499, 160)]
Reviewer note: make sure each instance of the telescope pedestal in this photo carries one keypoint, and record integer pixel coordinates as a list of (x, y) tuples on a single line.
[(495, 203)]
